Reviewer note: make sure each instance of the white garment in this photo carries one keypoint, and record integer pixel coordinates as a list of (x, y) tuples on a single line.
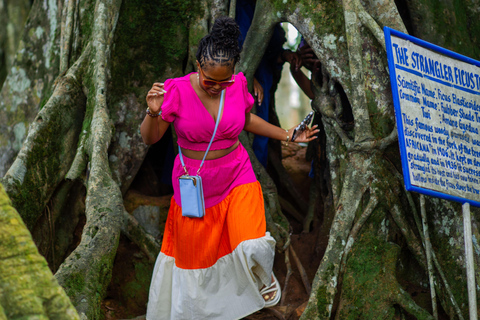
[(227, 290)]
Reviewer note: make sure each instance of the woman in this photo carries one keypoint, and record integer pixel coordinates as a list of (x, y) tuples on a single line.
[(218, 266)]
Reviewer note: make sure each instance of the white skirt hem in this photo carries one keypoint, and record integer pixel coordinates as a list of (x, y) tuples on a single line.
[(227, 290)]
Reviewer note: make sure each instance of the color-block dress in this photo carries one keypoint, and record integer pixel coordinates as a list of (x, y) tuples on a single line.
[(212, 267)]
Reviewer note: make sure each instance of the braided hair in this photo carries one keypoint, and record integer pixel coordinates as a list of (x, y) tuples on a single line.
[(220, 46)]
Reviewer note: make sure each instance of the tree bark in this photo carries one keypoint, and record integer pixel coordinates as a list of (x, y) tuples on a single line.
[(73, 101), (28, 289), (13, 14)]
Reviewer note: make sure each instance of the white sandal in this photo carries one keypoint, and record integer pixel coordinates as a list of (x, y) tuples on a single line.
[(275, 290)]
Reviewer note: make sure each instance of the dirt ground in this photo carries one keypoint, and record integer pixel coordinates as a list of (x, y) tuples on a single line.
[(126, 296)]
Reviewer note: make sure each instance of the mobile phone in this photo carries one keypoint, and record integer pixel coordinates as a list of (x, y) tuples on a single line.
[(301, 127)]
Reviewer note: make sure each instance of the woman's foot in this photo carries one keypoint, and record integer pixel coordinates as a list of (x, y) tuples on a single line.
[(272, 293)]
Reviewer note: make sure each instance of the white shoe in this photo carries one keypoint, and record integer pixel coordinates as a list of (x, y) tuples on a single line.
[(272, 293)]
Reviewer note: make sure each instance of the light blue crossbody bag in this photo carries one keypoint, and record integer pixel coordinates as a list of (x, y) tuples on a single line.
[(191, 187)]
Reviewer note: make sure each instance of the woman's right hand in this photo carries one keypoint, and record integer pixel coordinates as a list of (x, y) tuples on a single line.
[(155, 97)]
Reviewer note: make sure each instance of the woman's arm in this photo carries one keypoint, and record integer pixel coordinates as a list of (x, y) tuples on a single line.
[(258, 126), (154, 127)]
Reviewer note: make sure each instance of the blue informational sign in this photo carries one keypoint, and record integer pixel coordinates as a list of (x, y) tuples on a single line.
[(436, 94)]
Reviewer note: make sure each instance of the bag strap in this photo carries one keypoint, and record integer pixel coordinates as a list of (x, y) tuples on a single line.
[(211, 140)]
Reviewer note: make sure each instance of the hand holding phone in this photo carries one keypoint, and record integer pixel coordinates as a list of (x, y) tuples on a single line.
[(302, 126)]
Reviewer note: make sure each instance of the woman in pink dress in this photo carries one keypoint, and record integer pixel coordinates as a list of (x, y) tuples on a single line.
[(218, 266)]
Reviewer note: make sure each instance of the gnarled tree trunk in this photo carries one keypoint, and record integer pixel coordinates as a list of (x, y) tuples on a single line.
[(74, 98)]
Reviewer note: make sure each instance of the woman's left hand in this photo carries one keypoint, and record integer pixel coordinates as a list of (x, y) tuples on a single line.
[(306, 135)]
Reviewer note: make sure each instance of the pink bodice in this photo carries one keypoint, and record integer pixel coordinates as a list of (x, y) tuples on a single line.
[(194, 125)]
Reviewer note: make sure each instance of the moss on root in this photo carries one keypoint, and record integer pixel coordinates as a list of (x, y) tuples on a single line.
[(370, 288), (452, 24), (367, 284), (75, 283), (47, 154), (27, 287)]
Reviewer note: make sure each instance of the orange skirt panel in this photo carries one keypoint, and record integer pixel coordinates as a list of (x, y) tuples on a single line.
[(198, 243)]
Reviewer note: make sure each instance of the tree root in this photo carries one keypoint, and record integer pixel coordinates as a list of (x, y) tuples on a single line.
[(44, 232), (386, 13), (406, 302), (287, 277), (353, 10), (79, 164), (363, 141), (447, 287), (276, 313), (232, 10), (324, 286), (137, 234), (3, 316), (301, 270), (363, 129), (25, 277), (418, 224), (263, 23), (370, 23), (288, 185), (46, 224), (372, 204), (290, 209), (413, 244), (428, 249), (86, 273), (218, 8), (38, 69), (435, 260), (47, 151), (312, 206), (66, 35), (370, 280)]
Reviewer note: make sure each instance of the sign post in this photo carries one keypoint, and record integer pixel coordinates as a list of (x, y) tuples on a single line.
[(436, 95), (472, 294)]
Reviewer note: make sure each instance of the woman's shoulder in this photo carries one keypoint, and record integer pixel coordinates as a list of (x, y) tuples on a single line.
[(179, 83), (241, 76), (179, 80), (241, 80)]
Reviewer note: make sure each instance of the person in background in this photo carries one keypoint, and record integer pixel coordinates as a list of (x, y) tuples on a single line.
[(307, 58), (271, 62)]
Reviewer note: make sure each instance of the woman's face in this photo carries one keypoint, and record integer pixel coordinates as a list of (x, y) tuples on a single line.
[(215, 72)]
